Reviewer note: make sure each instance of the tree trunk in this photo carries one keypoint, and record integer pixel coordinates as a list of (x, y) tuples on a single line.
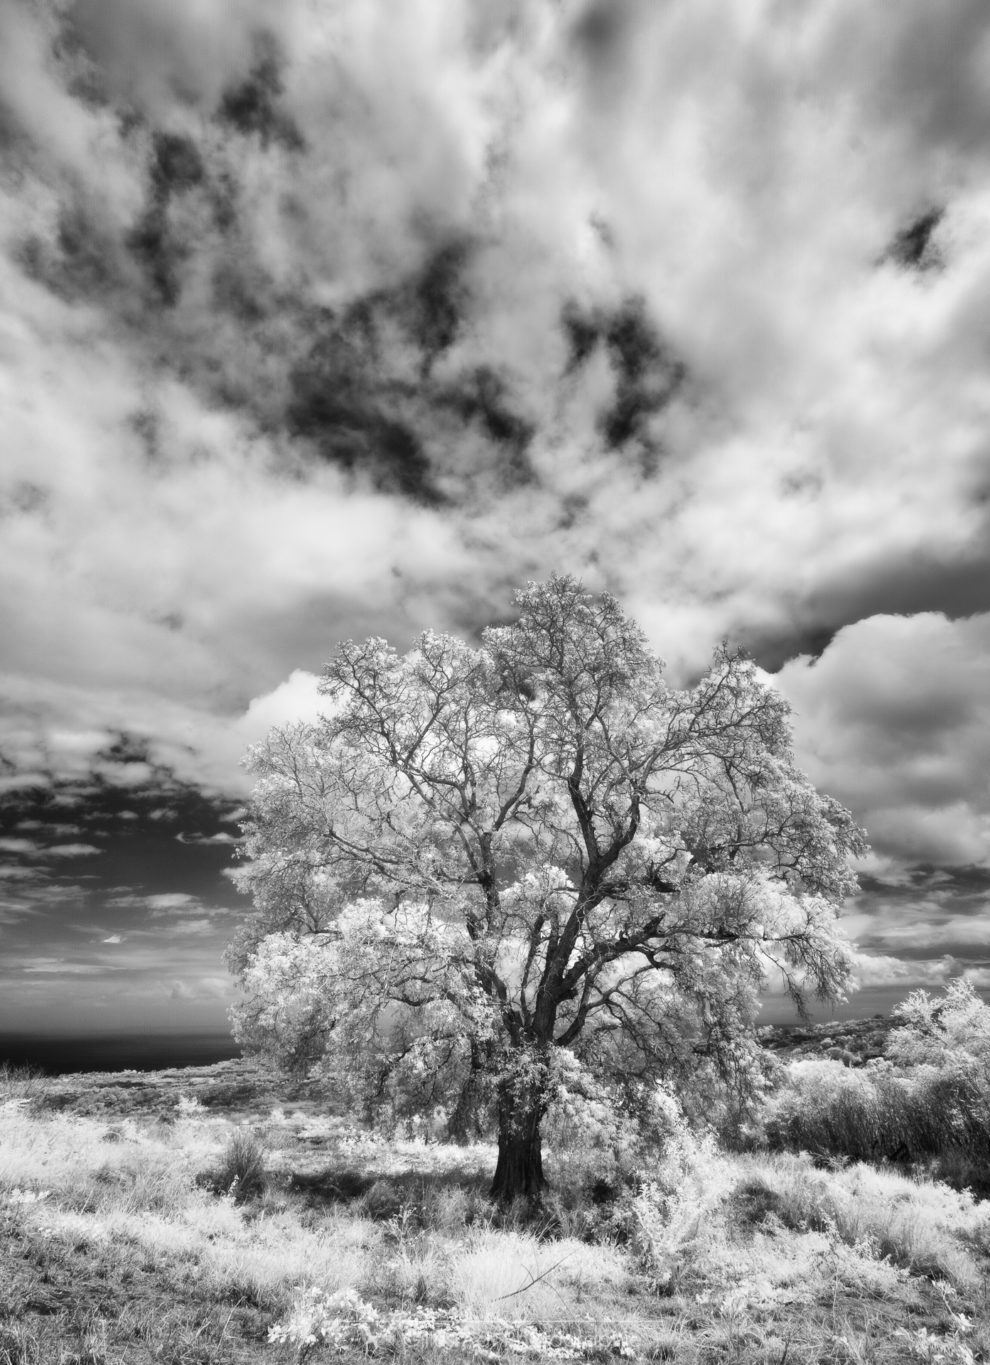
[(467, 1118), (519, 1171)]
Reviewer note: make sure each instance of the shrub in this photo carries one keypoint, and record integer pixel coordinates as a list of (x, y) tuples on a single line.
[(227, 1095), (241, 1172), (673, 1216), (930, 1117), (953, 1032), (20, 1082)]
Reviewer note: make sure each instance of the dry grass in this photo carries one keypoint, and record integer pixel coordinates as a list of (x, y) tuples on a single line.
[(122, 1244)]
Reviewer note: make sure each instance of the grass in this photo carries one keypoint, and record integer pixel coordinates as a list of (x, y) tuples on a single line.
[(184, 1234)]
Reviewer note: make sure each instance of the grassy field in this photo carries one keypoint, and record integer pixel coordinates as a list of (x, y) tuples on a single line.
[(206, 1216)]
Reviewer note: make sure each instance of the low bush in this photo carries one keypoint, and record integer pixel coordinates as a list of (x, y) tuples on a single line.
[(20, 1082), (240, 1172), (929, 1118), (227, 1094)]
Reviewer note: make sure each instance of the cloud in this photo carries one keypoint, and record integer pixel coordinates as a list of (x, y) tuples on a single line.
[(17, 846), (169, 900), (872, 970), (894, 720), (30, 849), (212, 840), (502, 176), (57, 966), (323, 322)]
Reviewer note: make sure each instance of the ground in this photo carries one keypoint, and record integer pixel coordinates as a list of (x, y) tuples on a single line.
[(182, 1217)]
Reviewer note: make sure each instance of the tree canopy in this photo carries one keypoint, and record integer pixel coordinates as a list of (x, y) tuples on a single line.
[(487, 872)]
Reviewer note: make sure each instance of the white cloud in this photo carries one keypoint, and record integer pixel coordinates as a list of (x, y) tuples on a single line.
[(57, 966), (894, 720), (175, 568), (31, 849), (169, 900), (17, 846), (881, 970), (207, 841)]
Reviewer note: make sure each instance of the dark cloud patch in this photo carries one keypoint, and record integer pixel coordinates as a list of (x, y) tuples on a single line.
[(160, 255), (600, 31), (252, 106), (132, 822), (583, 331), (918, 583), (176, 168), (83, 77), (913, 246), (968, 884), (647, 373), (482, 397), (771, 649), (224, 200), (337, 403), (434, 305), (82, 261), (176, 165)]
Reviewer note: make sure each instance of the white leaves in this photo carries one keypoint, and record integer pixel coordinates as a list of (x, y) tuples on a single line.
[(531, 843), (951, 1032)]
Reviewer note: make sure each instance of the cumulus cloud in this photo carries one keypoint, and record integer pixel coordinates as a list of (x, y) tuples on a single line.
[(894, 719), (608, 289), (323, 322), (875, 969)]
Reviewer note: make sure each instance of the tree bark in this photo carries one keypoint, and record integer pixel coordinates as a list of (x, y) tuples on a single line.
[(467, 1118), (519, 1170)]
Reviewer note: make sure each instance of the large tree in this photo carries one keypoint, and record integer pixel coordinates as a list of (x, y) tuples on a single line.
[(487, 872)]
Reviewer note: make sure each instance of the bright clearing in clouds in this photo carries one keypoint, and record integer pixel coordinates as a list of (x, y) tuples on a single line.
[(337, 319)]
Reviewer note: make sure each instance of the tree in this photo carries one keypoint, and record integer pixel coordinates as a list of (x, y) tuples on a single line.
[(951, 1033), (487, 873)]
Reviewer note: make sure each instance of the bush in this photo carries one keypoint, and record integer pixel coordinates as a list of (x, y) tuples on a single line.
[(20, 1082), (241, 1172), (929, 1117)]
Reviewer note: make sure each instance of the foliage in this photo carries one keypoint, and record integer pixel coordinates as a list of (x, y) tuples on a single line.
[(928, 1101), (343, 1319), (111, 1250), (484, 864), (240, 1173), (950, 1033), (673, 1209), (20, 1082)]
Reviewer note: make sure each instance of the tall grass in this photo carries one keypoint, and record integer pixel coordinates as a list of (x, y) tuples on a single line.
[(20, 1082)]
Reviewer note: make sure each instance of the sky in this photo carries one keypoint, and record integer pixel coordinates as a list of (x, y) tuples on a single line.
[(338, 318)]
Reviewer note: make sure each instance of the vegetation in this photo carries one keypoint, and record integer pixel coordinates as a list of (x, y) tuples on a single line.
[(924, 1104), (492, 879), (131, 1238)]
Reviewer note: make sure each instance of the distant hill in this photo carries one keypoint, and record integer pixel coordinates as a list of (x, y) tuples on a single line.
[(852, 1041)]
